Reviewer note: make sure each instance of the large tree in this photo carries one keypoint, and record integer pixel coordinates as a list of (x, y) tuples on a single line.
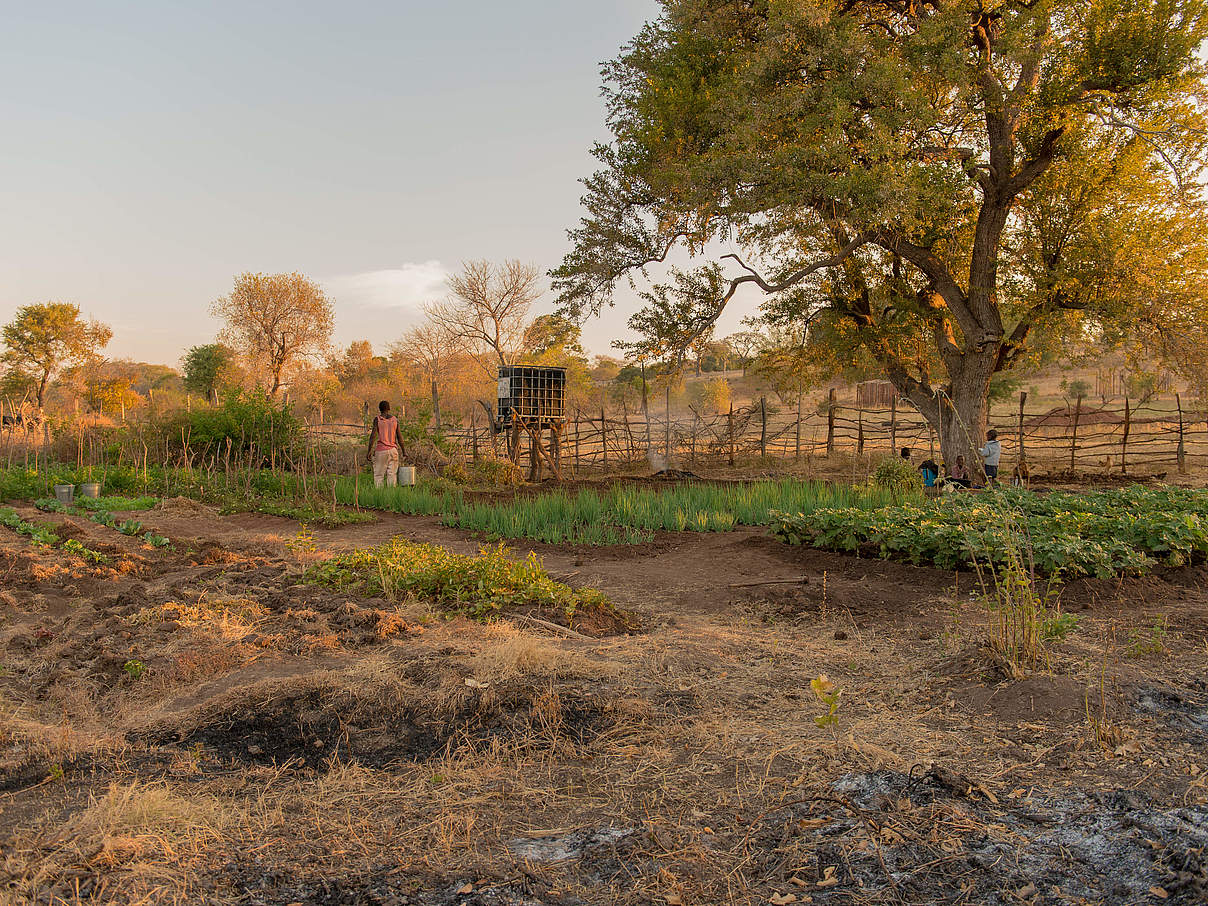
[(887, 164), (275, 320), (44, 338), (488, 307)]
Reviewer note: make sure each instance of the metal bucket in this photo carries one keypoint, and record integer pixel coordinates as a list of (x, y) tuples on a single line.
[(406, 475), (65, 493), (90, 489)]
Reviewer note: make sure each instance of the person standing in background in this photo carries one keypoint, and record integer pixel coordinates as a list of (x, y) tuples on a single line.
[(385, 443), (991, 453)]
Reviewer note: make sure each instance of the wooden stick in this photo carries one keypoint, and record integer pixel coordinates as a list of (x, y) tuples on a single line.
[(802, 580), (554, 627)]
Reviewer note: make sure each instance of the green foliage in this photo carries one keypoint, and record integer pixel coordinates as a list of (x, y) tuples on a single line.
[(1101, 533), (247, 427), (206, 368), (827, 693), (1142, 642), (134, 669), (898, 476), (71, 546), (480, 587), (619, 515), (130, 527)]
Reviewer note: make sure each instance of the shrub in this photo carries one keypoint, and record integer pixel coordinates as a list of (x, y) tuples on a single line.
[(479, 587), (897, 476), (249, 427)]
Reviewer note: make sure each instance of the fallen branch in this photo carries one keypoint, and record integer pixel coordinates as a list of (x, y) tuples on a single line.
[(554, 627), (803, 580)]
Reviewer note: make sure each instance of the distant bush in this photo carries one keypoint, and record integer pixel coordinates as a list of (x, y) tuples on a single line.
[(248, 427), (897, 476)]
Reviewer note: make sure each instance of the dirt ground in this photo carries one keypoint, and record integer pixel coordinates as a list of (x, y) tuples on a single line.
[(197, 725)]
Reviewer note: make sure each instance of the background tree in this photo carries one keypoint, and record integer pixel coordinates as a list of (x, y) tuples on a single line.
[(873, 162), (745, 344), (44, 338), (430, 348), (488, 307), (207, 368), (275, 320)]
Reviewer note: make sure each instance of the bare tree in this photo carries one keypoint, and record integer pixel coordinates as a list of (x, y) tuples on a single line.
[(275, 319), (488, 306), (431, 347)]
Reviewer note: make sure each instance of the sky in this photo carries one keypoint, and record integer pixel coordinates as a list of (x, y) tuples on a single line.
[(155, 150)]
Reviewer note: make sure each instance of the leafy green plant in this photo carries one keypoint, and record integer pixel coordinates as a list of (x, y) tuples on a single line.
[(1152, 640), (303, 542), (72, 546), (899, 477), (130, 527), (1102, 534), (480, 587), (827, 693), (134, 669), (156, 540)]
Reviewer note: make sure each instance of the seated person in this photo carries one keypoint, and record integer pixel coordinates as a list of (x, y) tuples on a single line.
[(959, 474), (930, 472)]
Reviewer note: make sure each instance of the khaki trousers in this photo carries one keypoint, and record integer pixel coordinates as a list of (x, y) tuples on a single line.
[(385, 468)]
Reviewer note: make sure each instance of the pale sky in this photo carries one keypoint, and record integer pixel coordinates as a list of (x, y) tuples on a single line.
[(153, 150)]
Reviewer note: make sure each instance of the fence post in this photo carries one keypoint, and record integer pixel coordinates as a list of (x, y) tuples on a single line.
[(1124, 442), (830, 422), (860, 431), (730, 432), (474, 434), (576, 441), (1074, 438), (1181, 455), (603, 436), (893, 423), (763, 426), (1023, 398), (797, 439)]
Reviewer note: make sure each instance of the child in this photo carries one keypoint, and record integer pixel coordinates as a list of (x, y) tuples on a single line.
[(930, 472), (960, 473), (385, 442), (991, 453)]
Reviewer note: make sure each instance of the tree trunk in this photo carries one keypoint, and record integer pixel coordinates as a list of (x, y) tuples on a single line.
[(962, 425)]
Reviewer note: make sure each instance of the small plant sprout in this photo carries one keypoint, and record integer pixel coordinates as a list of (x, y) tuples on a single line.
[(827, 693), (134, 668)]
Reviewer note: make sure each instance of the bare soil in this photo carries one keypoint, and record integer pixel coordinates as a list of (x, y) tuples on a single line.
[(199, 725)]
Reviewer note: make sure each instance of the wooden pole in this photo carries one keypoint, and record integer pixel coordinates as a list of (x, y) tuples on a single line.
[(1124, 441), (576, 441), (763, 426), (1074, 436), (667, 428), (730, 432), (860, 430), (830, 422), (603, 435), (893, 423), (1181, 454), (797, 438), (1023, 398)]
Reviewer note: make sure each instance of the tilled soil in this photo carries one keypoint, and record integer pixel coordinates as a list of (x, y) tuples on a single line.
[(199, 724)]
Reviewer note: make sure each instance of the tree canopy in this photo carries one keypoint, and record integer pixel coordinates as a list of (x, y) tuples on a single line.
[(46, 337), (970, 174), (275, 320)]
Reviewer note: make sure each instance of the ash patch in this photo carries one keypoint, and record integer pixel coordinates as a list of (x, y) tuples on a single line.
[(567, 847), (939, 836), (384, 886), (1185, 713), (307, 727)]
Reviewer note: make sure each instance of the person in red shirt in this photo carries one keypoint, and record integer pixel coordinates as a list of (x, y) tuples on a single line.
[(385, 443)]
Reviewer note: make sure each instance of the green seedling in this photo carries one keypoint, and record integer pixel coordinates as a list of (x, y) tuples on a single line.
[(134, 668)]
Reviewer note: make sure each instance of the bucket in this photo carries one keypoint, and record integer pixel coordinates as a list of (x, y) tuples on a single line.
[(91, 489), (65, 493), (406, 475)]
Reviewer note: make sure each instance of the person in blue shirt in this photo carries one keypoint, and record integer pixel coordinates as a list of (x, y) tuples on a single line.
[(930, 472)]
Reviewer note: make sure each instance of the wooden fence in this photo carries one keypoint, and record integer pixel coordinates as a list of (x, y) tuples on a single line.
[(1079, 436)]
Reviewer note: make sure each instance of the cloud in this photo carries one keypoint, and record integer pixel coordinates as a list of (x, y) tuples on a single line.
[(403, 287)]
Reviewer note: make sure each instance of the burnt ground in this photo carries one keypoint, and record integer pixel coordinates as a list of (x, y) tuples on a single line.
[(198, 725)]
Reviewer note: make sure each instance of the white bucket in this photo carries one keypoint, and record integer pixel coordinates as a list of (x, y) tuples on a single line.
[(406, 475), (91, 489), (65, 493)]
